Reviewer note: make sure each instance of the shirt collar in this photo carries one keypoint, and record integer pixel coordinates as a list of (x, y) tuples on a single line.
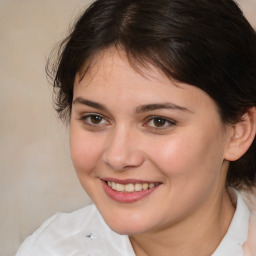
[(237, 233)]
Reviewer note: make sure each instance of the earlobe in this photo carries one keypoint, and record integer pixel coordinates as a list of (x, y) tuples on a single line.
[(241, 136)]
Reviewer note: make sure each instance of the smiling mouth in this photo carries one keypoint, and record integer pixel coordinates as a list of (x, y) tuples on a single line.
[(131, 187)]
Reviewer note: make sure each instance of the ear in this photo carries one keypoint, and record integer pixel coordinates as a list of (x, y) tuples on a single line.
[(242, 135)]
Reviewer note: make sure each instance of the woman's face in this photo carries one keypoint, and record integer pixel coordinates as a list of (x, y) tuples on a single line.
[(148, 151)]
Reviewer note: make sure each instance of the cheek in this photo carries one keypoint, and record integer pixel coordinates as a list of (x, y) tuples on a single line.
[(189, 156), (85, 151), (191, 167)]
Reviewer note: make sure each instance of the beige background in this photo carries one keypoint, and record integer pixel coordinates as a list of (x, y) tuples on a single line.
[(36, 175)]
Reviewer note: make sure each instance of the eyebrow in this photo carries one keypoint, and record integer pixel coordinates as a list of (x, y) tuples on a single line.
[(138, 110), (156, 106), (89, 103)]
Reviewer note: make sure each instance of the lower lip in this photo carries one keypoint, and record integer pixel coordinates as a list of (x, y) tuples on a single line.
[(123, 197)]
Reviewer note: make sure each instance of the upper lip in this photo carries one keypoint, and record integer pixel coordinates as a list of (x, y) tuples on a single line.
[(129, 181)]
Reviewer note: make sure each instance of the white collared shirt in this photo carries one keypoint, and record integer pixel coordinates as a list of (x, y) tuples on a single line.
[(237, 233), (85, 233)]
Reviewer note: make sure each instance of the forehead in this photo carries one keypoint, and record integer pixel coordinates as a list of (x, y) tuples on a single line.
[(111, 77), (106, 63), (111, 68)]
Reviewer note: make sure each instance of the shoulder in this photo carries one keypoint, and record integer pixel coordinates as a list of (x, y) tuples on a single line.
[(81, 232), (56, 229), (250, 245)]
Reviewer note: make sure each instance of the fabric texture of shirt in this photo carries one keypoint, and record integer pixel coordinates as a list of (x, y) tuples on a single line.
[(85, 233)]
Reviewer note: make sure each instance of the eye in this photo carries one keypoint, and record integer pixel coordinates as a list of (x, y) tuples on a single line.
[(93, 119), (159, 122)]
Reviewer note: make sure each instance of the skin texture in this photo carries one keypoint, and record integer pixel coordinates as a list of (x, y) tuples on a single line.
[(190, 211)]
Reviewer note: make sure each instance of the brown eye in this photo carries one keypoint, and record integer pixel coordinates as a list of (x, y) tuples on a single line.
[(96, 119), (159, 122)]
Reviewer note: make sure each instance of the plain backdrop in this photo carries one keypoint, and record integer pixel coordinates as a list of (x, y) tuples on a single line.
[(36, 174)]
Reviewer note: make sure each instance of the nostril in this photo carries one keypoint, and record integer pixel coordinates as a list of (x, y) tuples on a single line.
[(123, 161)]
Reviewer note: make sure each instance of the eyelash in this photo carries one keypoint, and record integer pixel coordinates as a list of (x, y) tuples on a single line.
[(167, 123), (85, 118)]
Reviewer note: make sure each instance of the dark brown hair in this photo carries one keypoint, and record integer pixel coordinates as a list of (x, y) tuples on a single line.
[(204, 43)]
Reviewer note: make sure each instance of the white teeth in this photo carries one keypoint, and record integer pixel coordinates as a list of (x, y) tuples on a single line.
[(130, 187), (145, 186), (119, 187), (138, 187), (151, 185)]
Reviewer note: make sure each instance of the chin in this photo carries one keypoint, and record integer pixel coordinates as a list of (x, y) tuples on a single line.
[(128, 226), (127, 229)]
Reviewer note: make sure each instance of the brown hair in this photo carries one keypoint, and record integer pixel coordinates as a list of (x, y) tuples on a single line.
[(207, 44)]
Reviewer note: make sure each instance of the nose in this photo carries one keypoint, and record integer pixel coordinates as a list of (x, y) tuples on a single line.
[(122, 150)]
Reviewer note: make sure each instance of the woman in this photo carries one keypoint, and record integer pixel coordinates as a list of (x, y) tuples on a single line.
[(160, 97)]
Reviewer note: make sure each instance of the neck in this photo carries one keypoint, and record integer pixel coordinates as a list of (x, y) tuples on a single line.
[(197, 235)]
